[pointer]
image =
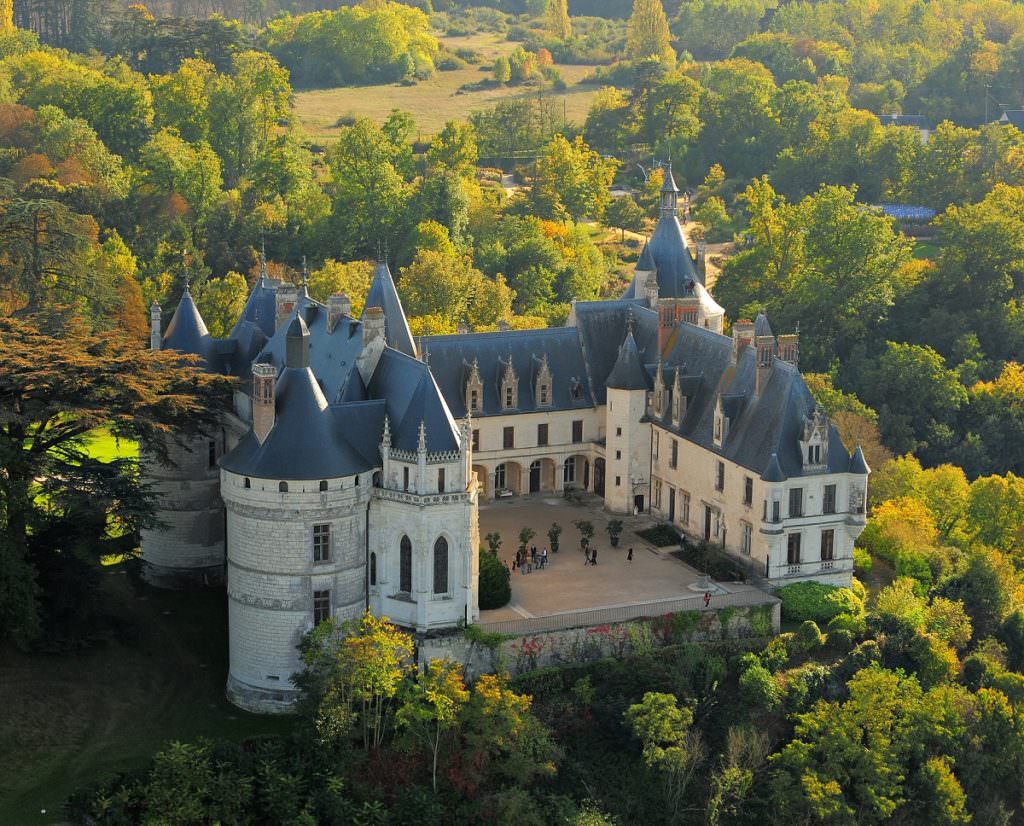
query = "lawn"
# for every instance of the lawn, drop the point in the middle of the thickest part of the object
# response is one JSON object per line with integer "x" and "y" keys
{"x": 435, "y": 101}
{"x": 74, "y": 718}
{"x": 926, "y": 249}
{"x": 102, "y": 445}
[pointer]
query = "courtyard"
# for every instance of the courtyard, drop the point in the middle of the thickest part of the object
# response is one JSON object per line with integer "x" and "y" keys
{"x": 566, "y": 584}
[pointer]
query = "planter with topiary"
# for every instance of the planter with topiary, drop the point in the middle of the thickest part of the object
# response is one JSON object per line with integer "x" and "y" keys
{"x": 614, "y": 531}
{"x": 554, "y": 532}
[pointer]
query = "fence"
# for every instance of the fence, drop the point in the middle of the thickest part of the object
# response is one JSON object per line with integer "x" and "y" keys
{"x": 625, "y": 613}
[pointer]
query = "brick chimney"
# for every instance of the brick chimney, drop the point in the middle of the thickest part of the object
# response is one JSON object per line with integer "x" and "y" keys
{"x": 337, "y": 306}
{"x": 155, "y": 339}
{"x": 264, "y": 378}
{"x": 742, "y": 337}
{"x": 287, "y": 295}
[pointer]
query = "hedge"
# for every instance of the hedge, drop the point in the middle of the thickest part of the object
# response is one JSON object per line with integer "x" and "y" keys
{"x": 817, "y": 601}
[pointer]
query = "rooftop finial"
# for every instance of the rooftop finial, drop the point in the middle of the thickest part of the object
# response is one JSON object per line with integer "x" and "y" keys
{"x": 263, "y": 260}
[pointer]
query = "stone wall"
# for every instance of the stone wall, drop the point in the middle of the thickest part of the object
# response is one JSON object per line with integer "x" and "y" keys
{"x": 576, "y": 645}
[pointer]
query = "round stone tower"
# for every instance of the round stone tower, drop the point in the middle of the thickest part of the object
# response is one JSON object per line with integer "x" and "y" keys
{"x": 296, "y": 494}
{"x": 187, "y": 548}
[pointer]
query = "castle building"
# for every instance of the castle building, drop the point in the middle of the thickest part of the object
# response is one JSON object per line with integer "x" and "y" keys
{"x": 347, "y": 474}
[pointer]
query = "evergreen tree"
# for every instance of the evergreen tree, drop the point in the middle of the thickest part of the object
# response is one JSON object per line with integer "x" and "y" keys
{"x": 648, "y": 36}
{"x": 558, "y": 21}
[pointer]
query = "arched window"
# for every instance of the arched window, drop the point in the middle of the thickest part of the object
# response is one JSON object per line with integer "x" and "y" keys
{"x": 282, "y": 487}
{"x": 248, "y": 484}
{"x": 376, "y": 479}
{"x": 373, "y": 568}
{"x": 569, "y": 470}
{"x": 323, "y": 485}
{"x": 441, "y": 566}
{"x": 405, "y": 566}
{"x": 499, "y": 476}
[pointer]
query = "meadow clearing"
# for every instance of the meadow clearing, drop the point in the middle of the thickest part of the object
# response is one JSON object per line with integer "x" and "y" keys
{"x": 435, "y": 101}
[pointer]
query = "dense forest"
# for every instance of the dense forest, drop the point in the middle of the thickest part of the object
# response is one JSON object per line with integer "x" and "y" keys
{"x": 145, "y": 148}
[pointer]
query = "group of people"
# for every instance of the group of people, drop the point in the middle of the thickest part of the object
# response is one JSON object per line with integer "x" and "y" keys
{"x": 527, "y": 560}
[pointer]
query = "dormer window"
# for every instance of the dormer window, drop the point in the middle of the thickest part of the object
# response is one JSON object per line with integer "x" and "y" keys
{"x": 474, "y": 388}
{"x": 542, "y": 388}
{"x": 721, "y": 425}
{"x": 577, "y": 390}
{"x": 814, "y": 440}
{"x": 509, "y": 386}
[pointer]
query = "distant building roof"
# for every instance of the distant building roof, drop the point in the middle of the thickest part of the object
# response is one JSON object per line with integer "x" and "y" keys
{"x": 908, "y": 212}
{"x": 917, "y": 121}
{"x": 1014, "y": 117}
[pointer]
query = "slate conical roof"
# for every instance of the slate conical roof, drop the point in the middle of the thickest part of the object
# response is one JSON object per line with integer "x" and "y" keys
{"x": 858, "y": 464}
{"x": 672, "y": 258}
{"x": 761, "y": 325}
{"x": 773, "y": 473}
{"x": 628, "y": 372}
{"x": 187, "y": 331}
{"x": 645, "y": 263}
{"x": 384, "y": 295}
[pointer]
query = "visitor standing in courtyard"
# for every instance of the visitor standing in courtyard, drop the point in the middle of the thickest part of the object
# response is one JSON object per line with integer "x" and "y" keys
{"x": 593, "y": 557}
{"x": 629, "y": 555}
{"x": 707, "y": 599}
{"x": 544, "y": 557}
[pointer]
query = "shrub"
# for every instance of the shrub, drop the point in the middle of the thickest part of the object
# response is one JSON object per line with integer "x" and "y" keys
{"x": 805, "y": 685}
{"x": 809, "y": 636}
{"x": 856, "y": 626}
{"x": 775, "y": 654}
{"x": 817, "y": 601}
{"x": 554, "y": 532}
{"x": 494, "y": 585}
{"x": 841, "y": 639}
{"x": 862, "y": 561}
{"x": 758, "y": 687}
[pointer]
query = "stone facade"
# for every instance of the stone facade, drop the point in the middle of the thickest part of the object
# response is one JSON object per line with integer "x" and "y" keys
{"x": 187, "y": 548}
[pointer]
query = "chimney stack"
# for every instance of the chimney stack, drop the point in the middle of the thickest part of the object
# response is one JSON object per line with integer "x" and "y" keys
{"x": 742, "y": 337}
{"x": 374, "y": 342}
{"x": 337, "y": 306}
{"x": 155, "y": 338}
{"x": 287, "y": 295}
{"x": 789, "y": 348}
{"x": 264, "y": 378}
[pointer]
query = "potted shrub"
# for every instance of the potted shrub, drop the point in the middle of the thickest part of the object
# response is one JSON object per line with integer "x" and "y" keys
{"x": 586, "y": 530}
{"x": 614, "y": 531}
{"x": 554, "y": 532}
{"x": 493, "y": 542}
{"x": 525, "y": 535}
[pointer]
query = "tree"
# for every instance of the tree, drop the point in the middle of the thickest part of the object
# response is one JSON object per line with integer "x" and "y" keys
{"x": 433, "y": 705}
{"x": 221, "y": 302}
{"x": 586, "y": 529}
{"x": 525, "y": 535}
{"x": 558, "y": 23}
{"x": 647, "y": 34}
{"x": 572, "y": 180}
{"x": 245, "y": 109}
{"x": 454, "y": 149}
{"x": 502, "y": 69}
{"x": 669, "y": 746}
{"x": 169, "y": 165}
{"x": 995, "y": 512}
{"x": 709, "y": 29}
{"x": 58, "y": 383}
{"x": 503, "y": 740}
{"x": 353, "y": 671}
{"x": 626, "y": 214}
{"x": 353, "y": 279}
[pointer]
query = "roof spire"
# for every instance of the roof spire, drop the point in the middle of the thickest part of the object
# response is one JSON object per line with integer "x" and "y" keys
{"x": 263, "y": 259}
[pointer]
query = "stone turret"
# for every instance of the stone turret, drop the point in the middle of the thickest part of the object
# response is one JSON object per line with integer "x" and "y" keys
{"x": 187, "y": 548}
{"x": 155, "y": 340}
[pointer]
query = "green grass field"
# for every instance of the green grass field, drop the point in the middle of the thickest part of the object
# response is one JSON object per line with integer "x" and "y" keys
{"x": 926, "y": 249}
{"x": 435, "y": 101}
{"x": 102, "y": 445}
{"x": 71, "y": 719}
